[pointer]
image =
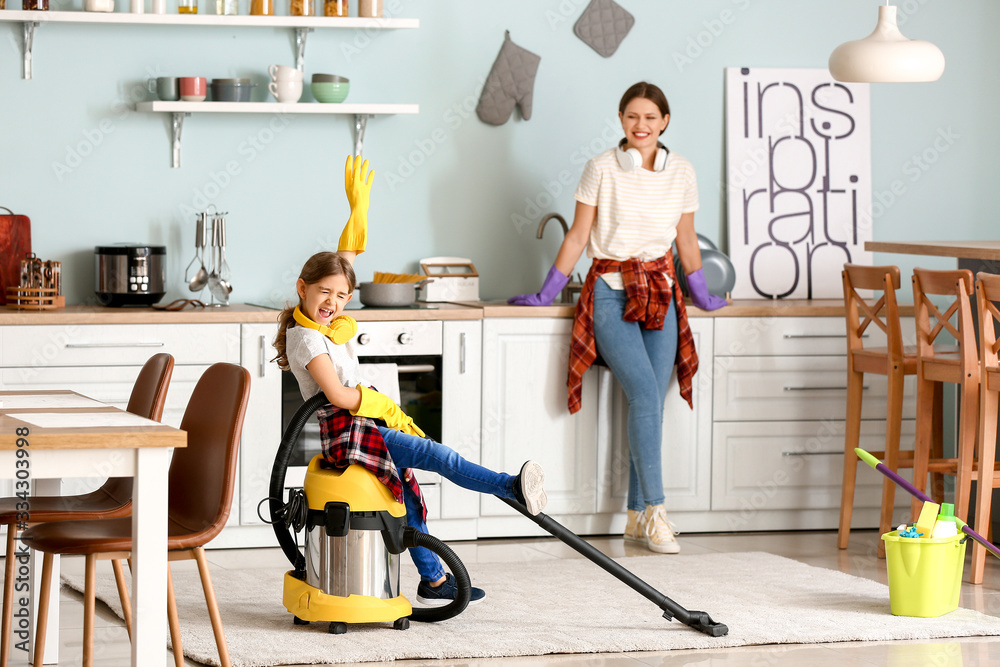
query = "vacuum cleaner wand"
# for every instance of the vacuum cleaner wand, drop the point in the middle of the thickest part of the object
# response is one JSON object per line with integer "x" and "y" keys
{"x": 699, "y": 620}
{"x": 920, "y": 495}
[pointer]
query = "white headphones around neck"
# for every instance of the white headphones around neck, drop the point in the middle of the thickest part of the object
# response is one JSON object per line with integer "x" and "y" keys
{"x": 631, "y": 159}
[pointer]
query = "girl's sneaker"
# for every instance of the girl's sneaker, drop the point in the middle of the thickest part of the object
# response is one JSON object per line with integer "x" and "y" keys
{"x": 528, "y": 487}
{"x": 659, "y": 532}
{"x": 439, "y": 596}
{"x": 634, "y": 525}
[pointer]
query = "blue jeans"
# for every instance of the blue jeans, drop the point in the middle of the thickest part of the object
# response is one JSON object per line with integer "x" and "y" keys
{"x": 410, "y": 451}
{"x": 642, "y": 360}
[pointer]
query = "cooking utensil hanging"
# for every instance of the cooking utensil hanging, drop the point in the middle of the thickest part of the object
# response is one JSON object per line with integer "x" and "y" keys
{"x": 197, "y": 282}
{"x": 219, "y": 288}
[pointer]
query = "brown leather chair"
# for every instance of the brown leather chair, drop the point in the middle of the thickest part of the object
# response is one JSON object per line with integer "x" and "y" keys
{"x": 200, "y": 494}
{"x": 936, "y": 365}
{"x": 894, "y": 360}
{"x": 113, "y": 499}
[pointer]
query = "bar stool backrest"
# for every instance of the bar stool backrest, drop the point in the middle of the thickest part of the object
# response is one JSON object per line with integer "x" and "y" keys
{"x": 880, "y": 309}
{"x": 931, "y": 322}
{"x": 987, "y": 294}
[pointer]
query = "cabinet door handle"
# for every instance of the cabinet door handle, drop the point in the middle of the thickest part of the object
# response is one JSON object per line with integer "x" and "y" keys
{"x": 95, "y": 345}
{"x": 263, "y": 356}
{"x": 864, "y": 387}
{"x": 820, "y": 335}
{"x": 811, "y": 453}
{"x": 461, "y": 353}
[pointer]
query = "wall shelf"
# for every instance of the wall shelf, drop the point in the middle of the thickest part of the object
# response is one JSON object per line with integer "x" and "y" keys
{"x": 301, "y": 24}
{"x": 361, "y": 113}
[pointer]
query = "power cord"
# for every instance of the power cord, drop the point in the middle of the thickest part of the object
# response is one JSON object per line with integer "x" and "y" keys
{"x": 293, "y": 513}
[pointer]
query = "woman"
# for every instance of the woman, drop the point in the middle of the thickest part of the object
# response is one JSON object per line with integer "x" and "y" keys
{"x": 633, "y": 201}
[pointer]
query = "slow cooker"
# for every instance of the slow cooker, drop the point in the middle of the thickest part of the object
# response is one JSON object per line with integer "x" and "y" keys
{"x": 129, "y": 274}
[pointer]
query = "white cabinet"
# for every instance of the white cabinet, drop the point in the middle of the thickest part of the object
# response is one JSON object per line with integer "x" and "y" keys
{"x": 262, "y": 424}
{"x": 524, "y": 416}
{"x": 780, "y": 399}
{"x": 687, "y": 437}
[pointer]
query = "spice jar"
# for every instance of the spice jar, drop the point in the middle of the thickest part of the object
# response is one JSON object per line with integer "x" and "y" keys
{"x": 335, "y": 8}
{"x": 262, "y": 7}
{"x": 370, "y": 9}
{"x": 187, "y": 6}
{"x": 38, "y": 5}
{"x": 227, "y": 7}
{"x": 302, "y": 8}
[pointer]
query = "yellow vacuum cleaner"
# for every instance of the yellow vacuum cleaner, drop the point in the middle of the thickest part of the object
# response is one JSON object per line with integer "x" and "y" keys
{"x": 354, "y": 532}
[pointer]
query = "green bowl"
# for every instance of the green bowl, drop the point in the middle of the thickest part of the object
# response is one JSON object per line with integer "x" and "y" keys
{"x": 330, "y": 91}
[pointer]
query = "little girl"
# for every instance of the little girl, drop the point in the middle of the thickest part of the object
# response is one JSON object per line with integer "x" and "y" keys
{"x": 361, "y": 425}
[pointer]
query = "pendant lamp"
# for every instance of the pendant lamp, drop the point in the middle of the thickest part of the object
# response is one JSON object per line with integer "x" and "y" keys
{"x": 886, "y": 56}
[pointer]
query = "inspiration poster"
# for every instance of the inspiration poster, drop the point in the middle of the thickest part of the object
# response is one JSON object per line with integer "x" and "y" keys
{"x": 798, "y": 179}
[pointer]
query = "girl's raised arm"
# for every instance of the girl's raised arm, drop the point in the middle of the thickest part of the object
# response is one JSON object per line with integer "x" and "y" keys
{"x": 358, "y": 181}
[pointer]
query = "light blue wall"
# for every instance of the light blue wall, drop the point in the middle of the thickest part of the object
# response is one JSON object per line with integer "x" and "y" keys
{"x": 460, "y": 183}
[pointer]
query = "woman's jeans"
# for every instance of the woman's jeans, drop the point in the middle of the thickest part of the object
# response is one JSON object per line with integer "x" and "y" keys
{"x": 642, "y": 360}
{"x": 410, "y": 451}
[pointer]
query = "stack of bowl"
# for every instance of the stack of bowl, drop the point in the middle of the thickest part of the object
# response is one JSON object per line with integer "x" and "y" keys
{"x": 330, "y": 88}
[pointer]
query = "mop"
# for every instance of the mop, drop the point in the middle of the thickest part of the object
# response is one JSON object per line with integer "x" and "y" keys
{"x": 921, "y": 496}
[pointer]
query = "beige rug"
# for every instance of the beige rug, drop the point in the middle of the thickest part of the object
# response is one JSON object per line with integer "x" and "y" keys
{"x": 565, "y": 606}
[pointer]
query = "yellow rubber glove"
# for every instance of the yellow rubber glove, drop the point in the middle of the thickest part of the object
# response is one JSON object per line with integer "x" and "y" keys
{"x": 380, "y": 406}
{"x": 358, "y": 184}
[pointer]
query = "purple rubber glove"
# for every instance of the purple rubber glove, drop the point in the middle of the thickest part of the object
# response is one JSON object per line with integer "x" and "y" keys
{"x": 698, "y": 289}
{"x": 554, "y": 283}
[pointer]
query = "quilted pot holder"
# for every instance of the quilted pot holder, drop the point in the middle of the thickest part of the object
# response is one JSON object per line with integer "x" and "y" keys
{"x": 511, "y": 82}
{"x": 603, "y": 25}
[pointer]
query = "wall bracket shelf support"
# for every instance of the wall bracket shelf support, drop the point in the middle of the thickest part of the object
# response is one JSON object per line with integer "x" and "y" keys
{"x": 175, "y": 142}
{"x": 360, "y": 124}
{"x": 300, "y": 47}
{"x": 29, "y": 41}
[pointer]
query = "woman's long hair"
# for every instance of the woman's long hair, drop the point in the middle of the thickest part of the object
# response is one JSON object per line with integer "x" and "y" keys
{"x": 316, "y": 268}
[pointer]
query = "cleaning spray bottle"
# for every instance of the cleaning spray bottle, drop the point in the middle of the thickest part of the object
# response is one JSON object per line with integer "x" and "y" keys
{"x": 945, "y": 525}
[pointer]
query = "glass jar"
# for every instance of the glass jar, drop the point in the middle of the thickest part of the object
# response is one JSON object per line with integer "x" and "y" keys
{"x": 187, "y": 6}
{"x": 37, "y": 5}
{"x": 370, "y": 9}
{"x": 302, "y": 8}
{"x": 227, "y": 7}
{"x": 262, "y": 7}
{"x": 335, "y": 8}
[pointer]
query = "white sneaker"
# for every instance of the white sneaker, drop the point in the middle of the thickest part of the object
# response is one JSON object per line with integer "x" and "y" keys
{"x": 634, "y": 525}
{"x": 659, "y": 531}
{"x": 531, "y": 480}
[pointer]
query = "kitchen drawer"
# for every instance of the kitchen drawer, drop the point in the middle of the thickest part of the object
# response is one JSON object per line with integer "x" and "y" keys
{"x": 792, "y": 336}
{"x": 795, "y": 389}
{"x": 36, "y": 347}
{"x": 794, "y": 465}
{"x": 419, "y": 337}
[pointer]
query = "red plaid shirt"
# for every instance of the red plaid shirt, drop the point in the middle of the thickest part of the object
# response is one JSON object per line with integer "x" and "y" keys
{"x": 649, "y": 297}
{"x": 347, "y": 439}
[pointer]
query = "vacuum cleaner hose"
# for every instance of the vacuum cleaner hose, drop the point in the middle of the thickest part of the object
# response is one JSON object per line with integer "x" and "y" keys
{"x": 415, "y": 538}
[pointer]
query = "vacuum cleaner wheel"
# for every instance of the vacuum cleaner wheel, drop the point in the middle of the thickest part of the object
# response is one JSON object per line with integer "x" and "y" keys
{"x": 298, "y": 621}
{"x": 337, "y": 628}
{"x": 401, "y": 624}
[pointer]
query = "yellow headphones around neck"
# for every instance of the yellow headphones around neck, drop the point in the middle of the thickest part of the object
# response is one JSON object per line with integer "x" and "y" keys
{"x": 341, "y": 329}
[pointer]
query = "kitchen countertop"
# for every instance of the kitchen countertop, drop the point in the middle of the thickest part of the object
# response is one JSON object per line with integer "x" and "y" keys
{"x": 235, "y": 313}
{"x": 989, "y": 250}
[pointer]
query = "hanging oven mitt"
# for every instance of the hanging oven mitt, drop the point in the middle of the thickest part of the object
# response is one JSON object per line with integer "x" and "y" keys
{"x": 341, "y": 329}
{"x": 358, "y": 184}
{"x": 380, "y": 406}
{"x": 603, "y": 25}
{"x": 511, "y": 82}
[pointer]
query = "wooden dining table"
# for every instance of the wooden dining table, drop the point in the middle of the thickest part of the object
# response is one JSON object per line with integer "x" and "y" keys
{"x": 47, "y": 436}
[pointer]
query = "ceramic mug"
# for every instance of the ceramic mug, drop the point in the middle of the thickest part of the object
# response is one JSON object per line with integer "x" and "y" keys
{"x": 193, "y": 88}
{"x": 165, "y": 88}
{"x": 286, "y": 90}
{"x": 284, "y": 73}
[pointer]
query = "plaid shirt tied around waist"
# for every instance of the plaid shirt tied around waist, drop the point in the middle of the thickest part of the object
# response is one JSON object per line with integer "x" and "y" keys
{"x": 347, "y": 440}
{"x": 649, "y": 294}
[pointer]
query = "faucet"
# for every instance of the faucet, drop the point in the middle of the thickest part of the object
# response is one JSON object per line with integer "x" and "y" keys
{"x": 572, "y": 287}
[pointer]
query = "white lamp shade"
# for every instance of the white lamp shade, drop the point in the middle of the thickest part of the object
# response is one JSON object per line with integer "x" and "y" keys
{"x": 886, "y": 56}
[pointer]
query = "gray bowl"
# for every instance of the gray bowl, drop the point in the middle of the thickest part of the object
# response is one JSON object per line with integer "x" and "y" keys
{"x": 330, "y": 77}
{"x": 231, "y": 90}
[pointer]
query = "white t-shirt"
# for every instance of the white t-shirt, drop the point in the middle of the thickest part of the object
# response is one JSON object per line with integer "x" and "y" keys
{"x": 637, "y": 211}
{"x": 302, "y": 345}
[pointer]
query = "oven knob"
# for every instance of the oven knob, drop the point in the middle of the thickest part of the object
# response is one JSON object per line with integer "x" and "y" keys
{"x": 364, "y": 339}
{"x": 405, "y": 338}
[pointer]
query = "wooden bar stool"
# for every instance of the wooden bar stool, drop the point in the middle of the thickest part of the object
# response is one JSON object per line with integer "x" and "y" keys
{"x": 987, "y": 292}
{"x": 938, "y": 364}
{"x": 894, "y": 361}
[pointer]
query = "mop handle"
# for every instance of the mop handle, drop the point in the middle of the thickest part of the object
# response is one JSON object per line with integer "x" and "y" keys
{"x": 920, "y": 495}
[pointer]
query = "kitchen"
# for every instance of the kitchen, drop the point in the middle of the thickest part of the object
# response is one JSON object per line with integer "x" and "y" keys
{"x": 445, "y": 182}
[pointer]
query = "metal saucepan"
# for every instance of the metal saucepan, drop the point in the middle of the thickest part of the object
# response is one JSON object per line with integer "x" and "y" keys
{"x": 389, "y": 295}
